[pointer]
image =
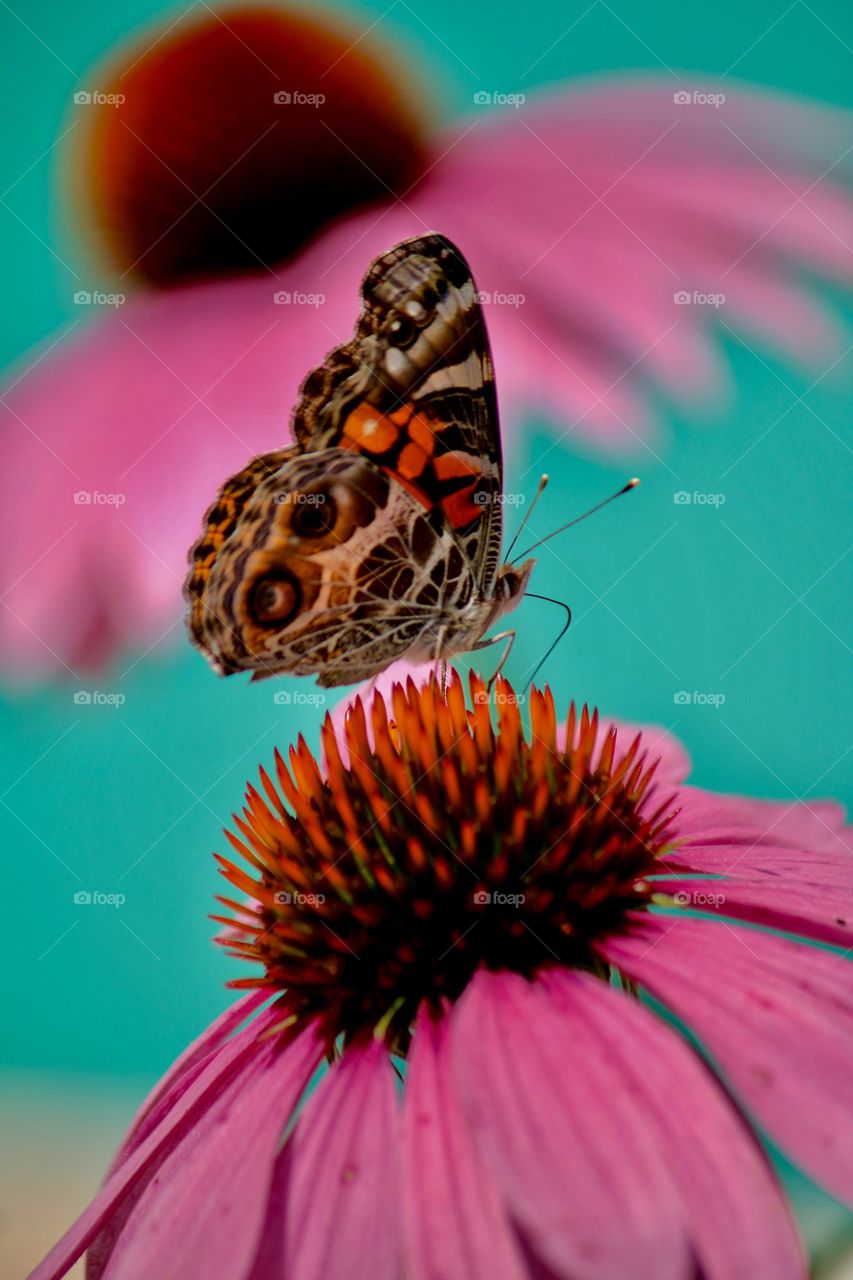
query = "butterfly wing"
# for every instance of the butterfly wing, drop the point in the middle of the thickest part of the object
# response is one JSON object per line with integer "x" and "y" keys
{"x": 221, "y": 521}
{"x": 333, "y": 569}
{"x": 414, "y": 391}
{"x": 354, "y": 546}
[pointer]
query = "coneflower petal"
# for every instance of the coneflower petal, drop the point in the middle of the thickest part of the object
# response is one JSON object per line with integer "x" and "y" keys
{"x": 231, "y": 1151}
{"x": 752, "y": 857}
{"x": 584, "y": 1213}
{"x": 776, "y": 1015}
{"x": 457, "y": 1226}
{"x": 821, "y": 912}
{"x": 222, "y": 1079}
{"x": 341, "y": 1215}
{"x": 183, "y": 1072}
{"x": 187, "y": 1068}
{"x": 736, "y": 1215}
{"x": 712, "y": 818}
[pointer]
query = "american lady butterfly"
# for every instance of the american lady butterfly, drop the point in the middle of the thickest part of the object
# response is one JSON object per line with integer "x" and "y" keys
{"x": 377, "y": 535}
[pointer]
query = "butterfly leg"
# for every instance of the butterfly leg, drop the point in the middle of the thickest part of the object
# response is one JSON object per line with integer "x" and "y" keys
{"x": 509, "y": 636}
{"x": 441, "y": 663}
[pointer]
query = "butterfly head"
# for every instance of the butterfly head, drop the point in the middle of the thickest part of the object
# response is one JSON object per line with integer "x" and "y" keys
{"x": 510, "y": 586}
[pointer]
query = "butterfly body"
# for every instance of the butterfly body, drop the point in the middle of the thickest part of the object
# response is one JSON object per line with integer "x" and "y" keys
{"x": 376, "y": 536}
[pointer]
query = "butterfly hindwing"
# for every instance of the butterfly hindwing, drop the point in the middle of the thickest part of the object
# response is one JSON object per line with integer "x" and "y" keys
{"x": 220, "y": 521}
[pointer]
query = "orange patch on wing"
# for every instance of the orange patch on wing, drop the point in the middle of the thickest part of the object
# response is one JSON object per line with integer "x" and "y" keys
{"x": 459, "y": 508}
{"x": 422, "y": 433}
{"x": 448, "y": 466}
{"x": 369, "y": 430}
{"x": 412, "y": 461}
{"x": 415, "y": 490}
{"x": 375, "y": 432}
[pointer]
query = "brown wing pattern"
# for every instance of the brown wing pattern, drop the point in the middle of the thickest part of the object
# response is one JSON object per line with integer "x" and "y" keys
{"x": 373, "y": 535}
{"x": 220, "y": 521}
{"x": 414, "y": 390}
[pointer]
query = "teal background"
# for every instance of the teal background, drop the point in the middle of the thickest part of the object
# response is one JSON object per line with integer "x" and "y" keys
{"x": 750, "y": 599}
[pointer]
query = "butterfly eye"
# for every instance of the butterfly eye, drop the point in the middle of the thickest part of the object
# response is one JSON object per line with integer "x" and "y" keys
{"x": 402, "y": 331}
{"x": 274, "y": 600}
{"x": 314, "y": 516}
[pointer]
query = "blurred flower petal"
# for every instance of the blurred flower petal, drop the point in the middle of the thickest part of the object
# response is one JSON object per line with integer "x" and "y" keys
{"x": 784, "y": 1042}
{"x": 233, "y": 1148}
{"x": 221, "y": 1080}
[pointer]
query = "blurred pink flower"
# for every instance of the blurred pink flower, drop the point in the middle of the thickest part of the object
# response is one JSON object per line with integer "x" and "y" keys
{"x": 466, "y": 934}
{"x": 586, "y": 214}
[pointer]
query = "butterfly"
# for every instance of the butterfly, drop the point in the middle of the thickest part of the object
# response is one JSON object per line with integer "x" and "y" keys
{"x": 377, "y": 534}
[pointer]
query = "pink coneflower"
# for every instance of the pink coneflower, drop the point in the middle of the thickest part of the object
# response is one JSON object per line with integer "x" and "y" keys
{"x": 474, "y": 911}
{"x": 586, "y": 214}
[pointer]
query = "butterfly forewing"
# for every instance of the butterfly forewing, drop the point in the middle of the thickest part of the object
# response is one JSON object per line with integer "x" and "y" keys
{"x": 415, "y": 391}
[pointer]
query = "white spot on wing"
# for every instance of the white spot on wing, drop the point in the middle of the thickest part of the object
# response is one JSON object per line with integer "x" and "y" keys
{"x": 397, "y": 363}
{"x": 467, "y": 374}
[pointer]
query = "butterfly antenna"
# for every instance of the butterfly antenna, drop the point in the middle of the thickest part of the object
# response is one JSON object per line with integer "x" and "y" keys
{"x": 543, "y": 483}
{"x": 632, "y": 484}
{"x": 540, "y": 664}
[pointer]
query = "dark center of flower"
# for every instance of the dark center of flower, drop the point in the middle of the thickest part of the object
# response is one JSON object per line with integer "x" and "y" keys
{"x": 236, "y": 135}
{"x": 448, "y": 844}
